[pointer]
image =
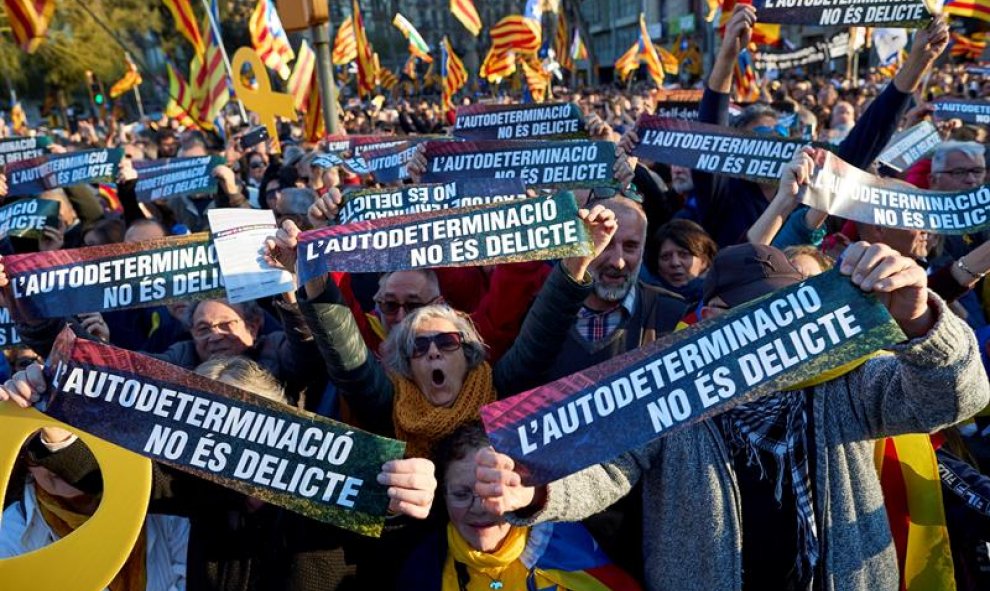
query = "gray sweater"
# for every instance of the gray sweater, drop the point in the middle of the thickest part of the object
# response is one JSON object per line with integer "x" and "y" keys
{"x": 691, "y": 508}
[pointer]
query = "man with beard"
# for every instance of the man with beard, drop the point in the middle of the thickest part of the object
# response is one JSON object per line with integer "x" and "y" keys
{"x": 621, "y": 314}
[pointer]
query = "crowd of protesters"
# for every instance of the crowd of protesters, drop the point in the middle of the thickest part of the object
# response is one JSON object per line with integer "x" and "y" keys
{"x": 779, "y": 493}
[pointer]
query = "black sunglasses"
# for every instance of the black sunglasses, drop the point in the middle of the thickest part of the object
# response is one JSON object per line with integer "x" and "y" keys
{"x": 445, "y": 341}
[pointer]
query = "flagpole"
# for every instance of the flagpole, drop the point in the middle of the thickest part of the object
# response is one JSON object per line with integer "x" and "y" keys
{"x": 140, "y": 105}
{"x": 223, "y": 52}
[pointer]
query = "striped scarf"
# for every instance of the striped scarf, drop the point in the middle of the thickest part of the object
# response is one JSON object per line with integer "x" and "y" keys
{"x": 776, "y": 425}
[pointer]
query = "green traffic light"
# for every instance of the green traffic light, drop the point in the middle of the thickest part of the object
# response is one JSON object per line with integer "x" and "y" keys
{"x": 98, "y": 99}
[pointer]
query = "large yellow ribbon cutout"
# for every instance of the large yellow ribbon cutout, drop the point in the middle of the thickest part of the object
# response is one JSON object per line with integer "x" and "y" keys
{"x": 74, "y": 562}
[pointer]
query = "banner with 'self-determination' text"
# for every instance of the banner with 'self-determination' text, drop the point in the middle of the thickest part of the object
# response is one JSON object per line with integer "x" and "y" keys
{"x": 844, "y": 13}
{"x": 715, "y": 149}
{"x": 8, "y": 330}
{"x": 842, "y": 190}
{"x": 26, "y": 218}
{"x": 679, "y": 104}
{"x": 976, "y": 111}
{"x": 162, "y": 179}
{"x": 373, "y": 204}
{"x": 389, "y": 164}
{"x": 306, "y": 463}
{"x": 821, "y": 52}
{"x": 538, "y": 163}
{"x": 16, "y": 149}
{"x": 34, "y": 175}
{"x": 526, "y": 230}
{"x": 514, "y": 122}
{"x": 909, "y": 146}
{"x": 595, "y": 415}
{"x": 112, "y": 277}
{"x": 360, "y": 144}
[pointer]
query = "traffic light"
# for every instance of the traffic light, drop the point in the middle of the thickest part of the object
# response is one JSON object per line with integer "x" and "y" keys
{"x": 96, "y": 90}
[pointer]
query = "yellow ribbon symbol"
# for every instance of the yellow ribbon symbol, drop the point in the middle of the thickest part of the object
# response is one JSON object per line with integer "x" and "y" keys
{"x": 72, "y": 563}
{"x": 262, "y": 100}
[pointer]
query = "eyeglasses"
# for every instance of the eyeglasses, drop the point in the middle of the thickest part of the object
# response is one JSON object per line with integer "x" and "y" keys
{"x": 445, "y": 341}
{"x": 201, "y": 331}
{"x": 461, "y": 498}
{"x": 391, "y": 307}
{"x": 961, "y": 173}
{"x": 778, "y": 130}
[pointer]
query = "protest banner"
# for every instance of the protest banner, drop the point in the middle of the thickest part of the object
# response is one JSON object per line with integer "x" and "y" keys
{"x": 372, "y": 204}
{"x": 842, "y": 190}
{"x": 8, "y": 330}
{"x": 820, "y": 52}
{"x": 968, "y": 111}
{"x": 978, "y": 70}
{"x": 273, "y": 452}
{"x": 678, "y": 104}
{"x": 34, "y": 175}
{"x": 526, "y": 230}
{"x": 26, "y": 218}
{"x": 15, "y": 149}
{"x": 909, "y": 146}
{"x": 846, "y": 13}
{"x": 171, "y": 177}
{"x": 337, "y": 143}
{"x": 538, "y": 163}
{"x": 710, "y": 148}
{"x": 389, "y": 164}
{"x": 361, "y": 144}
{"x": 513, "y": 122}
{"x": 595, "y": 415}
{"x": 112, "y": 277}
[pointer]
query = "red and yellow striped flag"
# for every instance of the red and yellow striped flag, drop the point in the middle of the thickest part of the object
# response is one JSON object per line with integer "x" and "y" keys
{"x": 497, "y": 66}
{"x": 130, "y": 79}
{"x": 979, "y": 9}
{"x": 671, "y": 65}
{"x": 453, "y": 75}
{"x": 344, "y": 44}
{"x": 763, "y": 34}
{"x": 313, "y": 127}
{"x": 562, "y": 42}
{"x": 537, "y": 80}
{"x": 467, "y": 14}
{"x": 410, "y": 68}
{"x": 365, "y": 55}
{"x": 648, "y": 53}
{"x": 269, "y": 39}
{"x": 108, "y": 196}
{"x": 628, "y": 62}
{"x": 29, "y": 21}
{"x": 516, "y": 33}
{"x": 180, "y": 103}
{"x": 387, "y": 79}
{"x": 210, "y": 76}
{"x": 302, "y": 74}
{"x": 185, "y": 21}
{"x": 966, "y": 47}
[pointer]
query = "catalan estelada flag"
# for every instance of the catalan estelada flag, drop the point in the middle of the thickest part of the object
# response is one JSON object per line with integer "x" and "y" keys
{"x": 313, "y": 126}
{"x": 964, "y": 47}
{"x": 29, "y": 21}
{"x": 537, "y": 80}
{"x": 185, "y": 22}
{"x": 108, "y": 198}
{"x": 269, "y": 39}
{"x": 516, "y": 33}
{"x": 210, "y": 86}
{"x": 648, "y": 53}
{"x": 465, "y": 12}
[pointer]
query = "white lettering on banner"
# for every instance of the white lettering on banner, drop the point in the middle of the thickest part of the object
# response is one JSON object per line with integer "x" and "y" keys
{"x": 796, "y": 320}
{"x": 725, "y": 144}
{"x": 513, "y": 116}
{"x": 515, "y": 158}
